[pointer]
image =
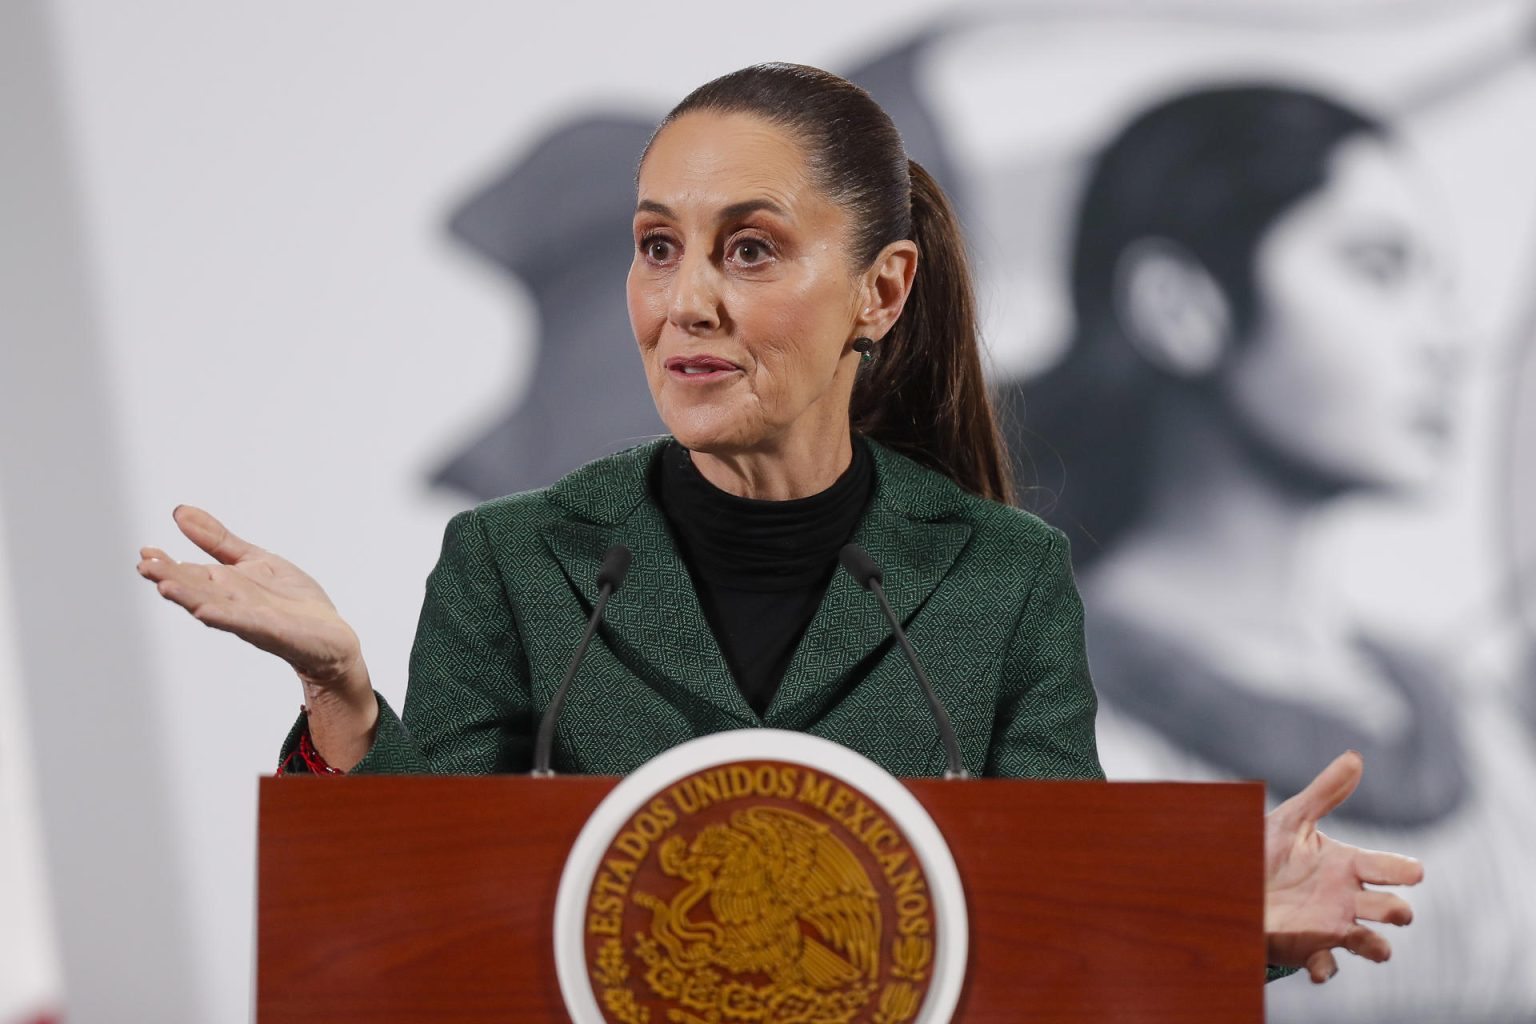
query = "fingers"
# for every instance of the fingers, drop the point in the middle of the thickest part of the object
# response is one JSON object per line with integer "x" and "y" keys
{"x": 1360, "y": 941}
{"x": 1386, "y": 907}
{"x": 1380, "y": 868}
{"x": 211, "y": 535}
{"x": 1364, "y": 942}
{"x": 155, "y": 564}
{"x": 1329, "y": 789}
{"x": 209, "y": 592}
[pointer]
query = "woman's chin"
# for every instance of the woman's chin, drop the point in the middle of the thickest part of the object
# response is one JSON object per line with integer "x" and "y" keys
{"x": 1405, "y": 474}
{"x": 707, "y": 430}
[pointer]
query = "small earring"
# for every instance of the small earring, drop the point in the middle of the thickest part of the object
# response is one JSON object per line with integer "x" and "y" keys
{"x": 865, "y": 348}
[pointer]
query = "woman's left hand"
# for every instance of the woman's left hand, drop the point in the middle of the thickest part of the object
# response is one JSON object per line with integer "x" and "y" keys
{"x": 1314, "y": 887}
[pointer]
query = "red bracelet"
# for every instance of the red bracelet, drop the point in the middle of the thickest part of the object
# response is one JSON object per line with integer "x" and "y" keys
{"x": 307, "y": 753}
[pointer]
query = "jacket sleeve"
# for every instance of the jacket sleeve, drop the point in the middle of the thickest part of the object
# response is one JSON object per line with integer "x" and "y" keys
{"x": 1046, "y": 703}
{"x": 467, "y": 701}
{"x": 1046, "y": 720}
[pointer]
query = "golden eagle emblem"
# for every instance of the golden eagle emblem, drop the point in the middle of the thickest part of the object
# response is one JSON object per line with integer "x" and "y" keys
{"x": 764, "y": 875}
{"x": 758, "y": 892}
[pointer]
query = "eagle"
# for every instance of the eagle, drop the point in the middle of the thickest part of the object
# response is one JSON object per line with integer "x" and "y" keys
{"x": 765, "y": 874}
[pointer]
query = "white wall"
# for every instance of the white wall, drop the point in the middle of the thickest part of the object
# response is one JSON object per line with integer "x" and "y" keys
{"x": 30, "y": 980}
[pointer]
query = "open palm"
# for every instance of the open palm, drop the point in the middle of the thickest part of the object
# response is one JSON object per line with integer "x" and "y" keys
{"x": 1315, "y": 893}
{"x": 260, "y": 597}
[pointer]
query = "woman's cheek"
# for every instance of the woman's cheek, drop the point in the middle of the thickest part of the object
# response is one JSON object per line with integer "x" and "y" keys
{"x": 646, "y": 301}
{"x": 1382, "y": 377}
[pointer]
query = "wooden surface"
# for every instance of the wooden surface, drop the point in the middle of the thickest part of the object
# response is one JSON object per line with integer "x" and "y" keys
{"x": 431, "y": 899}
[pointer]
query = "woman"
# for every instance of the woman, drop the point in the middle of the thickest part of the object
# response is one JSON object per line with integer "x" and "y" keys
{"x": 818, "y": 387}
{"x": 1263, "y": 328}
{"x": 1264, "y": 331}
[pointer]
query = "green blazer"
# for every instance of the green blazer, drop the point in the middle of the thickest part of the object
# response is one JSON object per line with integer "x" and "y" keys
{"x": 985, "y": 592}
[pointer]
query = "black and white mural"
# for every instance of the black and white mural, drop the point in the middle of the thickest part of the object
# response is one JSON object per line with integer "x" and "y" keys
{"x": 1250, "y": 349}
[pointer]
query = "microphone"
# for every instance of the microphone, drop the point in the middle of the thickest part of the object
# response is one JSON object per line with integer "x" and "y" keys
{"x": 615, "y": 565}
{"x": 866, "y": 572}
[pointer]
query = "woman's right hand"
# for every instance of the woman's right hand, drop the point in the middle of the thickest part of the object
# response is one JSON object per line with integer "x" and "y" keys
{"x": 271, "y": 603}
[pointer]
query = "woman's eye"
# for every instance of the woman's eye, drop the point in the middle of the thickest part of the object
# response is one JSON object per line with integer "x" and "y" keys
{"x": 656, "y": 248}
{"x": 751, "y": 251}
{"x": 1383, "y": 264}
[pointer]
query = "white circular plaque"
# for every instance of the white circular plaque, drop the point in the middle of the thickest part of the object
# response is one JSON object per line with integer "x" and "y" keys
{"x": 817, "y": 760}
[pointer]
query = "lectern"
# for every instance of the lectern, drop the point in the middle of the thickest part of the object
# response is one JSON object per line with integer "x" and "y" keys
{"x": 431, "y": 900}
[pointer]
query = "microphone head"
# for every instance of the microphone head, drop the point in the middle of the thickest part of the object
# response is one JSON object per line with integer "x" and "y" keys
{"x": 615, "y": 565}
{"x": 861, "y": 565}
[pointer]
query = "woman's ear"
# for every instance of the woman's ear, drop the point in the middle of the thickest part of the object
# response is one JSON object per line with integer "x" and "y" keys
{"x": 884, "y": 287}
{"x": 1170, "y": 308}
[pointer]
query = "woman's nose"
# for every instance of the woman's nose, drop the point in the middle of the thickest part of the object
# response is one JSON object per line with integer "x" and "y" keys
{"x": 1441, "y": 342}
{"x": 695, "y": 305}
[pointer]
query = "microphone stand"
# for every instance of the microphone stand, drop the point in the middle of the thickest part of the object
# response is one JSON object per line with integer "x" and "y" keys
{"x": 615, "y": 565}
{"x": 864, "y": 569}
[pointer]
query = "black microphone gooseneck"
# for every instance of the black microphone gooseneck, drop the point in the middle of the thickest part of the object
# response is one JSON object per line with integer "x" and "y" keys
{"x": 866, "y": 571}
{"x": 615, "y": 565}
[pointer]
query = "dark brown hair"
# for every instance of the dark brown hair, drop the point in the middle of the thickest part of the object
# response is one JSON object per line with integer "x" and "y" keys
{"x": 925, "y": 394}
{"x": 1212, "y": 171}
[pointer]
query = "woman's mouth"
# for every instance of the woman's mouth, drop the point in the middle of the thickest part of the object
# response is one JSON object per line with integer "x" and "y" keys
{"x": 1433, "y": 425}
{"x": 700, "y": 369}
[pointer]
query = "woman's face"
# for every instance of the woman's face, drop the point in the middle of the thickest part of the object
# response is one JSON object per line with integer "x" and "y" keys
{"x": 741, "y": 294}
{"x": 1349, "y": 372}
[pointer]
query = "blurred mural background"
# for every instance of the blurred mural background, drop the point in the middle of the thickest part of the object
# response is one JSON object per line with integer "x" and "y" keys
{"x": 1257, "y": 278}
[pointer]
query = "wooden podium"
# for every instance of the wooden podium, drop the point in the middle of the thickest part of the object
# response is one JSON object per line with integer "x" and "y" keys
{"x": 430, "y": 900}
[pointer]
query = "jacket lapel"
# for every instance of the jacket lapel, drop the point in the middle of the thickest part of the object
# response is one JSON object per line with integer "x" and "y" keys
{"x": 848, "y": 627}
{"x": 654, "y": 622}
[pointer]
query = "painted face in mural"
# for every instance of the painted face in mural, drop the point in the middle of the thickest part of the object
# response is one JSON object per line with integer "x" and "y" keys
{"x": 1350, "y": 369}
{"x": 741, "y": 295}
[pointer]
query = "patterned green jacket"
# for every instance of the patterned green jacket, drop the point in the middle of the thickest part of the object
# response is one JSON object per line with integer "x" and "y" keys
{"x": 984, "y": 590}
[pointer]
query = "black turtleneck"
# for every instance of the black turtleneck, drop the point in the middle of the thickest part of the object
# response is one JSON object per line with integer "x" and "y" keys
{"x": 760, "y": 567}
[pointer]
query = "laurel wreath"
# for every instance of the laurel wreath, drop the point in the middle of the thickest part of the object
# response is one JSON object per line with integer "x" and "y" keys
{"x": 706, "y": 997}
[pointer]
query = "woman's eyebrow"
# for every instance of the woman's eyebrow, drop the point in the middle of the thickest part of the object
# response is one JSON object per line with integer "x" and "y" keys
{"x": 732, "y": 212}
{"x": 738, "y": 210}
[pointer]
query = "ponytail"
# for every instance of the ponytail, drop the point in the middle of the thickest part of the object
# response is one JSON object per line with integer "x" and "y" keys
{"x": 926, "y": 395}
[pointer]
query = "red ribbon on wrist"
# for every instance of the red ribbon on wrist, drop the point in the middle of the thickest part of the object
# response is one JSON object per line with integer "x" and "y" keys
{"x": 306, "y": 752}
